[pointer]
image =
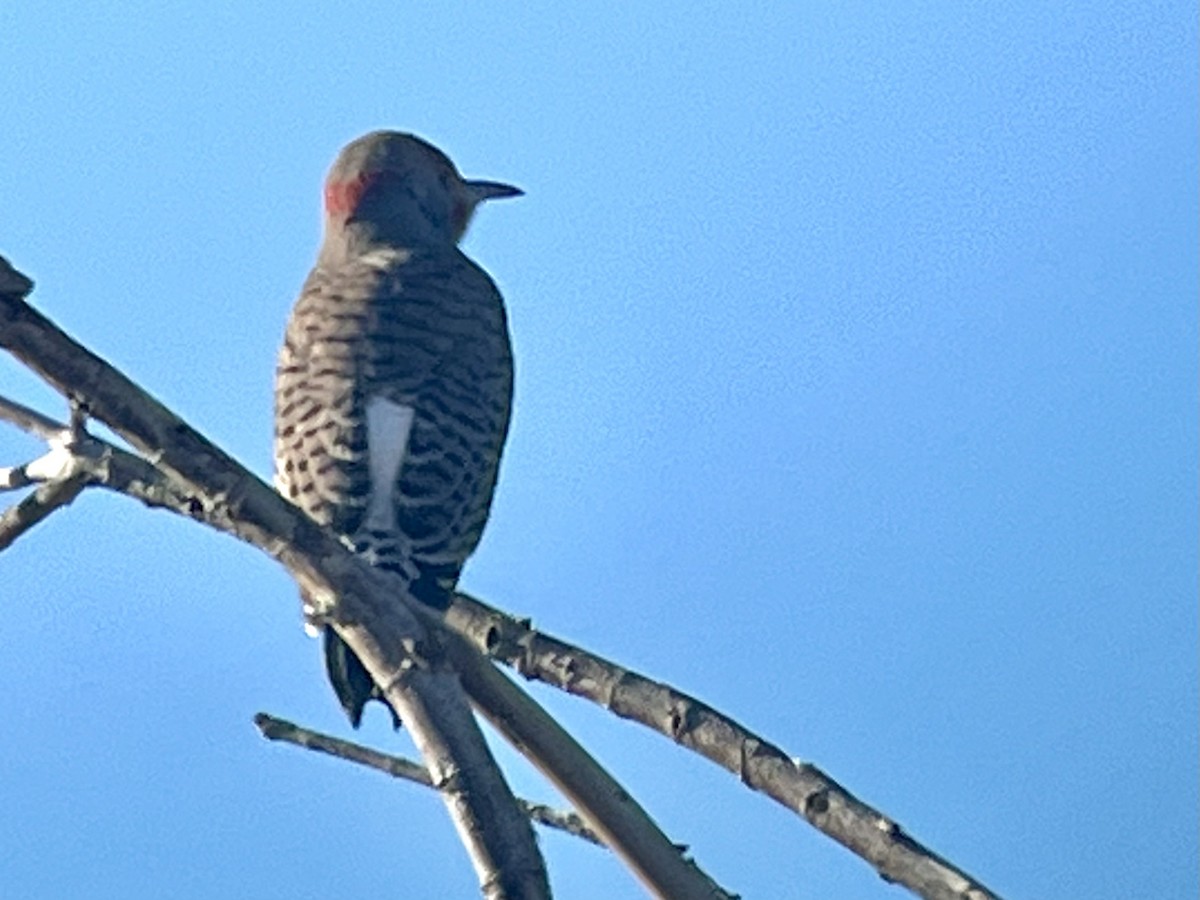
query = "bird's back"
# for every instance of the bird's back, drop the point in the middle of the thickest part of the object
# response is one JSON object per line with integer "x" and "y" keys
{"x": 396, "y": 346}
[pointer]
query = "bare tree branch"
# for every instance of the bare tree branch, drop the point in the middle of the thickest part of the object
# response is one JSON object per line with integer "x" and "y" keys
{"x": 12, "y": 282}
{"x": 207, "y": 484}
{"x": 393, "y": 646}
{"x": 108, "y": 467}
{"x": 276, "y": 729}
{"x": 20, "y": 517}
{"x": 799, "y": 786}
{"x": 583, "y": 781}
{"x": 617, "y": 816}
{"x": 759, "y": 764}
{"x": 31, "y": 420}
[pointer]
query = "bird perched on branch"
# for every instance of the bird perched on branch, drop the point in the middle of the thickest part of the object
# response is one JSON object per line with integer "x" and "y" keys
{"x": 394, "y": 384}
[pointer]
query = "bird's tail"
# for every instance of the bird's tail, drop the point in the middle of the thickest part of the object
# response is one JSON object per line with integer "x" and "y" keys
{"x": 350, "y": 679}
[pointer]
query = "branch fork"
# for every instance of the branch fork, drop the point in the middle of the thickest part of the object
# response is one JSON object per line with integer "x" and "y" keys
{"x": 424, "y": 660}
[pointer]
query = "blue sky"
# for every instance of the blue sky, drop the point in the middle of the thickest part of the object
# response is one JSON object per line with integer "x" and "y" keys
{"x": 856, "y": 395}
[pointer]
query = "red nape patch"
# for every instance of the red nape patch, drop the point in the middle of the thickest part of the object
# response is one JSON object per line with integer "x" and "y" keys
{"x": 341, "y": 197}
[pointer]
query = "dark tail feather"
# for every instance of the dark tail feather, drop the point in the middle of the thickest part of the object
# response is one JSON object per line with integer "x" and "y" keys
{"x": 350, "y": 680}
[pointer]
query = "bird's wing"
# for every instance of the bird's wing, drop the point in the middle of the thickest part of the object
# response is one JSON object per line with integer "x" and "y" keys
{"x": 392, "y": 400}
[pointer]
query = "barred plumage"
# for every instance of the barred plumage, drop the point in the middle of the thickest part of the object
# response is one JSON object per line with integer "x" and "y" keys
{"x": 394, "y": 384}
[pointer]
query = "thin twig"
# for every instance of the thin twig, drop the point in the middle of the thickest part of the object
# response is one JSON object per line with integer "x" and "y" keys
{"x": 30, "y": 420}
{"x": 112, "y": 468}
{"x": 22, "y": 516}
{"x": 276, "y": 729}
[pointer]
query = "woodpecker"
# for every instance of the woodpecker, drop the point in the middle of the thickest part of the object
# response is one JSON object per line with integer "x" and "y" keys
{"x": 393, "y": 390}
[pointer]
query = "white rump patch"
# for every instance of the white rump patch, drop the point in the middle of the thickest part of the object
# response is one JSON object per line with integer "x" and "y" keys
{"x": 388, "y": 427}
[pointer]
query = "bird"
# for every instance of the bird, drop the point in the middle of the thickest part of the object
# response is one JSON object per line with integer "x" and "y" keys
{"x": 394, "y": 382}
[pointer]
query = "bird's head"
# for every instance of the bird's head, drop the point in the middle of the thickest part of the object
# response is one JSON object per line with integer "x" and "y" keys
{"x": 394, "y": 188}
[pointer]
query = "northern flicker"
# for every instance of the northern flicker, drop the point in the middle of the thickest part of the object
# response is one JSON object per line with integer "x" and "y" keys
{"x": 394, "y": 384}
